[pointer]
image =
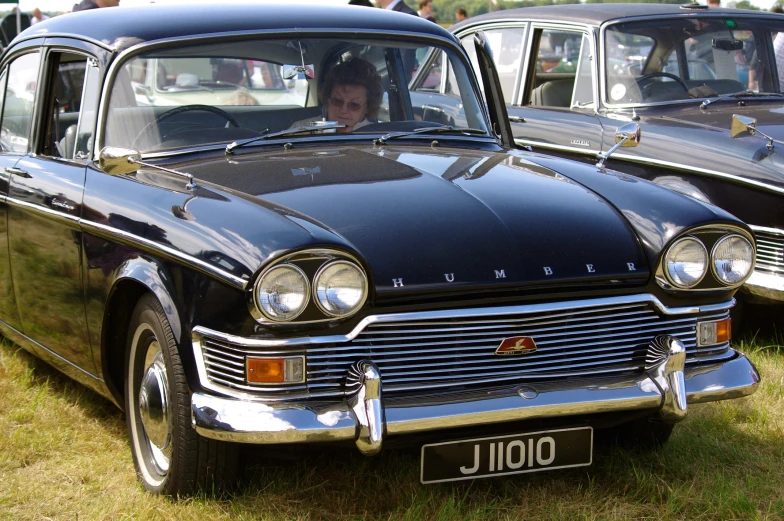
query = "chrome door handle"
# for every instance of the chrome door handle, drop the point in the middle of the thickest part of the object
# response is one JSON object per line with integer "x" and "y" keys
{"x": 516, "y": 119}
{"x": 17, "y": 171}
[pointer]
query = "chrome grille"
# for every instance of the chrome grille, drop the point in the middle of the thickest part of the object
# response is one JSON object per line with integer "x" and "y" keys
{"x": 770, "y": 251}
{"x": 441, "y": 353}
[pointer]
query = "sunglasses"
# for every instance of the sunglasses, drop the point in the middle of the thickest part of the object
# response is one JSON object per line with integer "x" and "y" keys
{"x": 353, "y": 106}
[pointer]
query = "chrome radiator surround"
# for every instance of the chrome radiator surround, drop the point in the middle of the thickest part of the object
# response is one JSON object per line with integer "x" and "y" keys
{"x": 443, "y": 350}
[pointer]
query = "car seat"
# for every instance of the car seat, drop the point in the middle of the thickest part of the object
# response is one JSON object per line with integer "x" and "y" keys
{"x": 553, "y": 93}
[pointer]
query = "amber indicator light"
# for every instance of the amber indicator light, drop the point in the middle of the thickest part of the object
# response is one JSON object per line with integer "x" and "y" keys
{"x": 723, "y": 330}
{"x": 265, "y": 370}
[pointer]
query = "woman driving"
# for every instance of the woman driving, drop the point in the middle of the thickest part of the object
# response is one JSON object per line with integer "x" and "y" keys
{"x": 352, "y": 93}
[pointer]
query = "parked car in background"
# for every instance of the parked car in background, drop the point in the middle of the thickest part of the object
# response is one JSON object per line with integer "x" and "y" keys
{"x": 252, "y": 273}
{"x": 682, "y": 73}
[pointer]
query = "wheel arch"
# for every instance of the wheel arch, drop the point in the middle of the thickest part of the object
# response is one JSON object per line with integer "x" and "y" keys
{"x": 134, "y": 279}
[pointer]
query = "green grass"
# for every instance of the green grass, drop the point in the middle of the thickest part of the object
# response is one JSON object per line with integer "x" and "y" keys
{"x": 64, "y": 456}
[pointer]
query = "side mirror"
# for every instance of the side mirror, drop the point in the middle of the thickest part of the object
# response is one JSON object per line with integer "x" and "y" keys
{"x": 743, "y": 126}
{"x": 627, "y": 136}
{"x": 118, "y": 161}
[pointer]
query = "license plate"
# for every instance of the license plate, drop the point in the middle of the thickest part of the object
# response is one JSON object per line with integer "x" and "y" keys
{"x": 504, "y": 455}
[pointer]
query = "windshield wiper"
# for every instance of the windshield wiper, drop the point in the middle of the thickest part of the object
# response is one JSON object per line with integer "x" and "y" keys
{"x": 740, "y": 94}
{"x": 446, "y": 129}
{"x": 289, "y": 131}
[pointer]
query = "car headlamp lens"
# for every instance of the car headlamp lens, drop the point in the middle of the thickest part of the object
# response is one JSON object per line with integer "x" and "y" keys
{"x": 341, "y": 288}
{"x": 686, "y": 261}
{"x": 733, "y": 259}
{"x": 283, "y": 292}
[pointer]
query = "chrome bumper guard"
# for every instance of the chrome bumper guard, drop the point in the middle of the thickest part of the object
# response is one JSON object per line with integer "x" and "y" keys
{"x": 765, "y": 285}
{"x": 366, "y": 418}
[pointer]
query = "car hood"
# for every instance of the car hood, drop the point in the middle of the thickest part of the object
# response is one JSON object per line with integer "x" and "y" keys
{"x": 692, "y": 136}
{"x": 442, "y": 218}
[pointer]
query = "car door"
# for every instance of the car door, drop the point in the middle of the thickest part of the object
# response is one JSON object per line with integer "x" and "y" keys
{"x": 18, "y": 84}
{"x": 45, "y": 239}
{"x": 549, "y": 83}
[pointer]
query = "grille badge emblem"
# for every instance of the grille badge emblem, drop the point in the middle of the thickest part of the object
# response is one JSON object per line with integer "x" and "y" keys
{"x": 516, "y": 345}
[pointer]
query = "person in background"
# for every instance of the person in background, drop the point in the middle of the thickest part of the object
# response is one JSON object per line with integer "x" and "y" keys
{"x": 714, "y": 3}
{"x": 460, "y": 14}
{"x": 426, "y": 10}
{"x": 408, "y": 55}
{"x": 84, "y": 5}
{"x": 396, "y": 5}
{"x": 778, "y": 50}
{"x": 38, "y": 16}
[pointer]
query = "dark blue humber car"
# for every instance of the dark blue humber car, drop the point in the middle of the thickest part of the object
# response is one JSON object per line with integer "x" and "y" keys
{"x": 188, "y": 228}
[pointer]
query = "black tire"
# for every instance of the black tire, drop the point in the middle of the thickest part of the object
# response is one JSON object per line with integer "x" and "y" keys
{"x": 643, "y": 433}
{"x": 169, "y": 455}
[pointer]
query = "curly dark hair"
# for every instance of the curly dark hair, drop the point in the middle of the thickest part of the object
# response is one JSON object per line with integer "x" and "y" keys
{"x": 356, "y": 71}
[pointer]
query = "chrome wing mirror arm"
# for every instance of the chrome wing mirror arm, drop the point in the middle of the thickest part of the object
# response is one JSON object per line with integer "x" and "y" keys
{"x": 627, "y": 135}
{"x": 746, "y": 126}
{"x": 121, "y": 161}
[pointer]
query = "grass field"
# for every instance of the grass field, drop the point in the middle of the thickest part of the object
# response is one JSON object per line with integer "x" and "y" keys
{"x": 64, "y": 456}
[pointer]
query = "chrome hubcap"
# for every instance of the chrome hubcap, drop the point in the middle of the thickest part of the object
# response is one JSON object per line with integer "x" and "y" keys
{"x": 154, "y": 407}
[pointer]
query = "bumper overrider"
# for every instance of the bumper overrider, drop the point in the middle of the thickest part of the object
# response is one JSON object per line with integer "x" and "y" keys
{"x": 667, "y": 387}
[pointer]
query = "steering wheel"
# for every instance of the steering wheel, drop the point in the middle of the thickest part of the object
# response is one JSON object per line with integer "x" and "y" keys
{"x": 179, "y": 110}
{"x": 644, "y": 82}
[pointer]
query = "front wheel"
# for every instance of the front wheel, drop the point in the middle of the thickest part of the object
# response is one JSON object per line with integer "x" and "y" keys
{"x": 169, "y": 455}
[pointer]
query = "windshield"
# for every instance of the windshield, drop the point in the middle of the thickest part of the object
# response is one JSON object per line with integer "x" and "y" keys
{"x": 691, "y": 58}
{"x": 220, "y": 93}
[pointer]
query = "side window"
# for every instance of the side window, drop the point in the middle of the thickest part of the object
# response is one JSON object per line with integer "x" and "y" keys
{"x": 19, "y": 102}
{"x": 562, "y": 75}
{"x": 71, "y": 106}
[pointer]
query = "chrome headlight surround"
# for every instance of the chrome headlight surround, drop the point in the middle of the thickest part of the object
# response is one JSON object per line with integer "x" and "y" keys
{"x": 715, "y": 261}
{"x": 310, "y": 264}
{"x": 263, "y": 297}
{"x": 321, "y": 293}
{"x": 671, "y": 274}
{"x": 710, "y": 236}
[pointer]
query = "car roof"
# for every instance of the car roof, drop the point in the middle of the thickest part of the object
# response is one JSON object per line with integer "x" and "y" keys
{"x": 110, "y": 26}
{"x": 598, "y": 14}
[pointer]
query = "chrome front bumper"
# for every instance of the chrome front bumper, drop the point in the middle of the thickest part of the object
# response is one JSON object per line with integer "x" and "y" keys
{"x": 766, "y": 286}
{"x": 366, "y": 417}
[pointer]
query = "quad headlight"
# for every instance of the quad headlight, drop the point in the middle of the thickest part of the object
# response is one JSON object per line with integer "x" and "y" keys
{"x": 688, "y": 265}
{"x": 282, "y": 293}
{"x": 309, "y": 286}
{"x": 733, "y": 259}
{"x": 340, "y": 288}
{"x": 686, "y": 262}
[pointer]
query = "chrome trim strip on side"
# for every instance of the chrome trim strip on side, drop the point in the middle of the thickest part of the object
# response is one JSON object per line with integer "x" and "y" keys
{"x": 110, "y": 232}
{"x": 258, "y": 422}
{"x": 61, "y": 217}
{"x": 200, "y": 331}
{"x": 552, "y": 146}
{"x": 658, "y": 162}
